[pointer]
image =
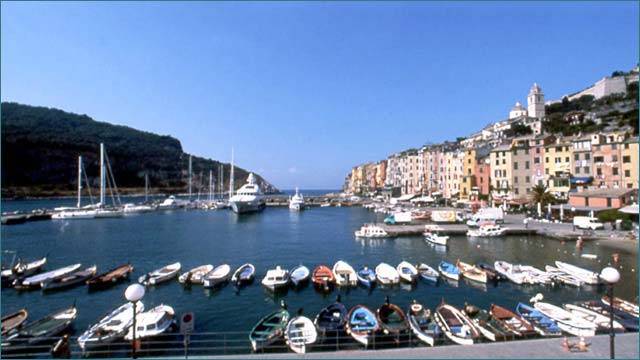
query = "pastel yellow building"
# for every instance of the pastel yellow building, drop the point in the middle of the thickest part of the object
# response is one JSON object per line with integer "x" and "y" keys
{"x": 468, "y": 173}
{"x": 501, "y": 172}
{"x": 557, "y": 166}
{"x": 630, "y": 163}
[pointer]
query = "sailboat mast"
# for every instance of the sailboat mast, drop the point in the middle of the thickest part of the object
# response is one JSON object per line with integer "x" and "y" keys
{"x": 102, "y": 174}
{"x": 231, "y": 176}
{"x": 79, "y": 180}
{"x": 189, "y": 177}
{"x": 210, "y": 184}
{"x": 221, "y": 186}
{"x": 146, "y": 187}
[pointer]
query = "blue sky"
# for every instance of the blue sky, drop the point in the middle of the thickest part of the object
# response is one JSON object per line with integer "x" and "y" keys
{"x": 304, "y": 91}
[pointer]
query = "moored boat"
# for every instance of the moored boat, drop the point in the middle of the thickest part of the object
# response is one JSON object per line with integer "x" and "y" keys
{"x": 296, "y": 202}
{"x": 455, "y": 325}
{"x": 487, "y": 231}
{"x": 622, "y": 305}
{"x": 218, "y": 276}
{"x": 110, "y": 327}
{"x": 421, "y": 324}
{"x": 110, "y": 277}
{"x": 391, "y": 318}
{"x": 73, "y": 279}
{"x": 562, "y": 277}
{"x": 515, "y": 323}
{"x": 153, "y": 322}
{"x": 299, "y": 275}
{"x": 344, "y": 274}
{"x": 436, "y": 239}
{"x": 489, "y": 327}
{"x": 195, "y": 275}
{"x": 22, "y": 269}
{"x": 407, "y": 272}
{"x": 44, "y": 328}
{"x": 269, "y": 329}
{"x": 160, "y": 275}
{"x": 36, "y": 281}
{"x": 472, "y": 272}
{"x": 427, "y": 273}
{"x": 371, "y": 231}
{"x": 244, "y": 274}
{"x": 492, "y": 274}
{"x": 249, "y": 198}
{"x": 13, "y": 321}
{"x": 300, "y": 333}
{"x": 362, "y": 324}
{"x": 366, "y": 276}
{"x": 448, "y": 270}
{"x": 510, "y": 272}
{"x": 323, "y": 278}
{"x": 544, "y": 325}
{"x": 387, "y": 274}
{"x": 332, "y": 319}
{"x": 588, "y": 276}
{"x": 603, "y": 323}
{"x": 628, "y": 321}
{"x": 567, "y": 321}
{"x": 276, "y": 279}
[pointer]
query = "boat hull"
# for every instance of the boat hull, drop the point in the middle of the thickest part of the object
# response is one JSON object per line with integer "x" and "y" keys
{"x": 245, "y": 207}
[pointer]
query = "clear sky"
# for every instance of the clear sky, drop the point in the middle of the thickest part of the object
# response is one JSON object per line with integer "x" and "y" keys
{"x": 304, "y": 91}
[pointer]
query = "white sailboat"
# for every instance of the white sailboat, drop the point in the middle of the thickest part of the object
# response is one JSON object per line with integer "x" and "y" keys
{"x": 78, "y": 212}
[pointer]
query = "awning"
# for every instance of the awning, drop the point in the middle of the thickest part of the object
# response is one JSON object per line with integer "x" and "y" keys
{"x": 630, "y": 209}
{"x": 426, "y": 199}
{"x": 406, "y": 197}
{"x": 582, "y": 180}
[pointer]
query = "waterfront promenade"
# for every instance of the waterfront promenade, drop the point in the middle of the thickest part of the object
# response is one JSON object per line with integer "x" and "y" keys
{"x": 626, "y": 348}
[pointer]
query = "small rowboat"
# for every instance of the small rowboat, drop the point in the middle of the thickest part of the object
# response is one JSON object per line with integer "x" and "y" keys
{"x": 455, "y": 325}
{"x": 588, "y": 276}
{"x": 71, "y": 280}
{"x": 269, "y": 329}
{"x": 36, "y": 281}
{"x": 22, "y": 269}
{"x": 49, "y": 326}
{"x": 110, "y": 277}
{"x": 111, "y": 327}
{"x": 428, "y": 273}
{"x": 544, "y": 325}
{"x": 345, "y": 274}
{"x": 153, "y": 322}
{"x": 332, "y": 319}
{"x": 489, "y": 327}
{"x": 195, "y": 275}
{"x": 471, "y": 272}
{"x": 562, "y": 277}
{"x": 491, "y": 272}
{"x": 323, "y": 278}
{"x": 622, "y": 305}
{"x": 160, "y": 275}
{"x": 510, "y": 272}
{"x": 362, "y": 324}
{"x": 244, "y": 274}
{"x": 407, "y": 272}
{"x": 567, "y": 321}
{"x": 516, "y": 324}
{"x": 421, "y": 324}
{"x": 13, "y": 321}
{"x": 300, "y": 333}
{"x": 218, "y": 276}
{"x": 448, "y": 270}
{"x": 602, "y": 322}
{"x": 627, "y": 320}
{"x": 387, "y": 274}
{"x": 392, "y": 319}
{"x": 299, "y": 275}
{"x": 366, "y": 276}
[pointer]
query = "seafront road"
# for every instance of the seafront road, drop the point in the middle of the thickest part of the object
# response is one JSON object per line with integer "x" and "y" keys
{"x": 626, "y": 348}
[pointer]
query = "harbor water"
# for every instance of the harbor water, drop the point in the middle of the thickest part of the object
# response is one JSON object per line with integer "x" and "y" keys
{"x": 276, "y": 236}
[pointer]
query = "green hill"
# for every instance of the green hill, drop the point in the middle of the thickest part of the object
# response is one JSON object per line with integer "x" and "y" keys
{"x": 40, "y": 148}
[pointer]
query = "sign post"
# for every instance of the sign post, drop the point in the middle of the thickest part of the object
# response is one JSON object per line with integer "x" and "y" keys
{"x": 186, "y": 328}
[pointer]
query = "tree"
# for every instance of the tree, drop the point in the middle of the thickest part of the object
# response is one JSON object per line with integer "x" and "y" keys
{"x": 540, "y": 194}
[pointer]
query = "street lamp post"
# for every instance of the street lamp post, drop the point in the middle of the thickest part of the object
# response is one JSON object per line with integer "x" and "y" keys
{"x": 611, "y": 276}
{"x": 134, "y": 293}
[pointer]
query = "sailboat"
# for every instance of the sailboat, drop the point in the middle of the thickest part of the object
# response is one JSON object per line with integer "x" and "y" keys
{"x": 88, "y": 212}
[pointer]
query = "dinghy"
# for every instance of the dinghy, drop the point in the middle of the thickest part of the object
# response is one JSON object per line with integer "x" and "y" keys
{"x": 323, "y": 278}
{"x": 489, "y": 327}
{"x": 153, "y": 322}
{"x": 510, "y": 272}
{"x": 562, "y": 277}
{"x": 621, "y": 305}
{"x": 449, "y": 270}
{"x": 110, "y": 278}
{"x": 491, "y": 272}
{"x": 49, "y": 326}
{"x": 269, "y": 329}
{"x": 345, "y": 274}
{"x": 276, "y": 279}
{"x": 195, "y": 275}
{"x": 516, "y": 324}
{"x": 332, "y": 319}
{"x": 535, "y": 275}
{"x": 628, "y": 321}
{"x": 111, "y": 327}
{"x": 427, "y": 273}
{"x": 299, "y": 275}
{"x": 35, "y": 281}
{"x": 74, "y": 279}
{"x": 366, "y": 276}
{"x": 567, "y": 321}
{"x": 455, "y": 325}
{"x": 22, "y": 269}
{"x": 362, "y": 324}
{"x": 244, "y": 274}
{"x": 160, "y": 275}
{"x": 544, "y": 325}
{"x": 589, "y": 277}
{"x": 602, "y": 322}
{"x": 471, "y": 272}
{"x": 218, "y": 276}
{"x": 407, "y": 272}
{"x": 391, "y": 318}
{"x": 419, "y": 320}
{"x": 13, "y": 321}
{"x": 386, "y": 274}
{"x": 300, "y": 333}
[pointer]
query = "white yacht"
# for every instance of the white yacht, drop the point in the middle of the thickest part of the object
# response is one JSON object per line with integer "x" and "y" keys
{"x": 248, "y": 198}
{"x": 371, "y": 231}
{"x": 296, "y": 202}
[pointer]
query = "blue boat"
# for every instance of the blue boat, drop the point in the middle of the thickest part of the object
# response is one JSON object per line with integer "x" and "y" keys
{"x": 366, "y": 276}
{"x": 427, "y": 273}
{"x": 362, "y": 324}
{"x": 449, "y": 270}
{"x": 299, "y": 275}
{"x": 544, "y": 325}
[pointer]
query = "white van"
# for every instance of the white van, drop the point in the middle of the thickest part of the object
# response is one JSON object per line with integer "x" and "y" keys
{"x": 587, "y": 222}
{"x": 487, "y": 214}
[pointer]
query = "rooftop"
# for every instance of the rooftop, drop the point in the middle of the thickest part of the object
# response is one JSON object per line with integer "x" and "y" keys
{"x": 603, "y": 192}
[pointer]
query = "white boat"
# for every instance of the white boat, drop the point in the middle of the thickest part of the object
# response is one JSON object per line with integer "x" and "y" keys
{"x": 386, "y": 274}
{"x": 153, "y": 322}
{"x": 170, "y": 203}
{"x": 567, "y": 321}
{"x": 23, "y": 269}
{"x": 345, "y": 274}
{"x": 195, "y": 275}
{"x": 435, "y": 238}
{"x": 244, "y": 274}
{"x": 407, "y": 272}
{"x": 136, "y": 209}
{"x": 275, "y": 279}
{"x": 300, "y": 333}
{"x": 535, "y": 275}
{"x": 296, "y": 202}
{"x": 219, "y": 275}
{"x": 36, "y": 281}
{"x": 160, "y": 275}
{"x": 487, "y": 231}
{"x": 109, "y": 213}
{"x": 602, "y": 322}
{"x": 589, "y": 277}
{"x": 111, "y": 327}
{"x": 75, "y": 214}
{"x": 248, "y": 198}
{"x": 510, "y": 272}
{"x": 420, "y": 322}
{"x": 371, "y": 231}
{"x": 563, "y": 277}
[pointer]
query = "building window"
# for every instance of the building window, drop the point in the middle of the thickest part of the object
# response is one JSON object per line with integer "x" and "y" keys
{"x": 526, "y": 165}
{"x": 599, "y": 171}
{"x": 497, "y": 162}
{"x": 558, "y": 148}
{"x": 626, "y": 146}
{"x": 587, "y": 156}
{"x": 515, "y": 152}
{"x": 615, "y": 171}
{"x": 627, "y": 173}
{"x": 626, "y": 159}
{"x": 537, "y": 150}
{"x": 516, "y": 191}
{"x": 598, "y": 159}
{"x": 515, "y": 179}
{"x": 614, "y": 146}
{"x": 578, "y": 170}
{"x": 558, "y": 160}
{"x": 586, "y": 169}
{"x": 546, "y": 159}
{"x": 504, "y": 161}
{"x": 614, "y": 158}
{"x": 546, "y": 171}
{"x": 526, "y": 179}
{"x": 536, "y": 160}
{"x": 576, "y": 157}
{"x": 566, "y": 159}
{"x": 629, "y": 185}
{"x": 515, "y": 165}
